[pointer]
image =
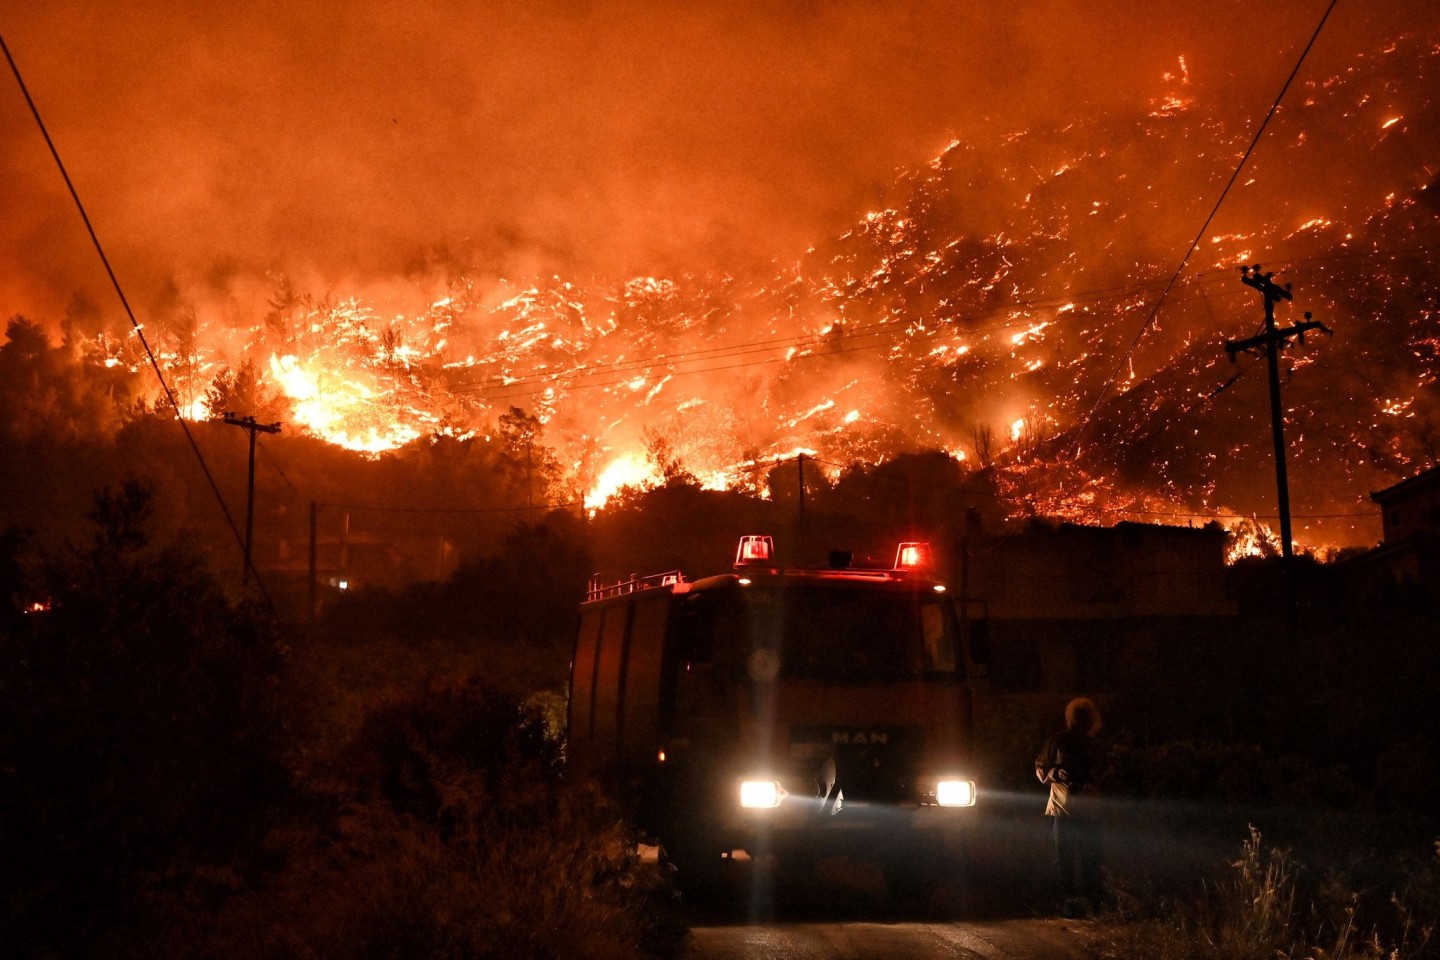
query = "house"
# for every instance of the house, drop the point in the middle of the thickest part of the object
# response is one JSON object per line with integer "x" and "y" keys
{"x": 1076, "y": 608}
{"x": 1411, "y": 507}
{"x": 1409, "y": 555}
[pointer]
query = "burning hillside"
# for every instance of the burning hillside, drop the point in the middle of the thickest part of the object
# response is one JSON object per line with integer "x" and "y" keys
{"x": 981, "y": 308}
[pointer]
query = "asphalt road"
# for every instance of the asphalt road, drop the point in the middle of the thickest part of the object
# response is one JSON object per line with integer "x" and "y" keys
{"x": 1004, "y": 907}
{"x": 1003, "y": 940}
{"x": 1004, "y": 902}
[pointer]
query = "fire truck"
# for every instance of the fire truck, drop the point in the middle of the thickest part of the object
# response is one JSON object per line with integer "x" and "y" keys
{"x": 790, "y": 713}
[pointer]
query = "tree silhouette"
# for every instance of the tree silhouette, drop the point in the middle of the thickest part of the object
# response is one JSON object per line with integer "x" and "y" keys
{"x": 244, "y": 393}
{"x": 139, "y": 730}
{"x": 44, "y": 393}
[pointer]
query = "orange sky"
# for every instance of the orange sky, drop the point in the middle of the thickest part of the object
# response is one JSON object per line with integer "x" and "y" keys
{"x": 348, "y": 142}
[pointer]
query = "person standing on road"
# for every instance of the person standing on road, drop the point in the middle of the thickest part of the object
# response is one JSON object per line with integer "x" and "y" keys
{"x": 1073, "y": 763}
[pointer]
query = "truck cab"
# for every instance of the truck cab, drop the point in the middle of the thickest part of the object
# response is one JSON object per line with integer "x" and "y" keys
{"x": 797, "y": 713}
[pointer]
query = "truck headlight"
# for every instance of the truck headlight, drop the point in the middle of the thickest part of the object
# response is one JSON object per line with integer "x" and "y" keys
{"x": 955, "y": 793}
{"x": 760, "y": 793}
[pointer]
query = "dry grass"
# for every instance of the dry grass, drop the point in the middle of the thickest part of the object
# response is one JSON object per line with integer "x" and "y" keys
{"x": 1261, "y": 909}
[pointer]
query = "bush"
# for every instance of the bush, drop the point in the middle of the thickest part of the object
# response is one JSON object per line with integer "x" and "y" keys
{"x": 455, "y": 835}
{"x": 1198, "y": 770}
{"x": 139, "y": 732}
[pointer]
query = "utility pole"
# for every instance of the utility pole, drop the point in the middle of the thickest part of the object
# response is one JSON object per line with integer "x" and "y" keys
{"x": 800, "y": 468}
{"x": 529, "y": 476}
{"x": 314, "y": 565}
{"x": 249, "y": 425}
{"x": 1270, "y": 343}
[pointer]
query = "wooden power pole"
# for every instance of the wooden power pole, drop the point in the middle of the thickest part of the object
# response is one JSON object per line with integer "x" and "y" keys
{"x": 249, "y": 425}
{"x": 314, "y": 566}
{"x": 1270, "y": 343}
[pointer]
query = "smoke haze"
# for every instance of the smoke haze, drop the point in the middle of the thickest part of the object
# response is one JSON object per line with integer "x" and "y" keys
{"x": 352, "y": 141}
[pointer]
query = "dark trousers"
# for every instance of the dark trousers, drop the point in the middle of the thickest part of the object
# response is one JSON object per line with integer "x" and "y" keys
{"x": 1077, "y": 857}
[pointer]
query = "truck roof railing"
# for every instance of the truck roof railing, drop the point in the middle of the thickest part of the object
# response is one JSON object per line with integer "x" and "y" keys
{"x": 756, "y": 553}
{"x": 598, "y": 590}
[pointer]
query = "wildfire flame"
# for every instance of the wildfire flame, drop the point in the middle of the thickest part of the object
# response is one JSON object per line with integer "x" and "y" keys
{"x": 929, "y": 326}
{"x": 339, "y": 409}
{"x": 629, "y": 470}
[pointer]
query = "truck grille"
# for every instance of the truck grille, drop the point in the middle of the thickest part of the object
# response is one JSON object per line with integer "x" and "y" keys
{"x": 869, "y": 764}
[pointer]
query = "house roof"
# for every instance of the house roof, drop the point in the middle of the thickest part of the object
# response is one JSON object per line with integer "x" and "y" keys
{"x": 1409, "y": 485}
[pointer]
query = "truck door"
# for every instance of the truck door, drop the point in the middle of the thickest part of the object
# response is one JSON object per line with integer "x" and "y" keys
{"x": 582, "y": 686}
{"x": 609, "y": 661}
{"x": 638, "y": 731}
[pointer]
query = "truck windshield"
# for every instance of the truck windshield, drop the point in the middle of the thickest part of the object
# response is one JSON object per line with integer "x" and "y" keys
{"x": 829, "y": 631}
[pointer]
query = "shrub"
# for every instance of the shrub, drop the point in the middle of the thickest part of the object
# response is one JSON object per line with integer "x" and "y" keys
{"x": 457, "y": 835}
{"x": 140, "y": 736}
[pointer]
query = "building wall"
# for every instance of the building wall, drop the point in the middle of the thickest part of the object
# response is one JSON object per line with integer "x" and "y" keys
{"x": 1411, "y": 507}
{"x": 1071, "y": 572}
{"x": 1092, "y": 656}
{"x": 1074, "y": 608}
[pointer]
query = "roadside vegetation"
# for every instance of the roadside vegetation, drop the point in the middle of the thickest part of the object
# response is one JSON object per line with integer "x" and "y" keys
{"x": 1266, "y": 903}
{"x": 179, "y": 778}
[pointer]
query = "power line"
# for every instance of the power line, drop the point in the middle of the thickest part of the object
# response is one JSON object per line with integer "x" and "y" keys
{"x": 575, "y": 378}
{"x": 274, "y": 462}
{"x": 873, "y": 332}
{"x": 1154, "y": 311}
{"x": 869, "y": 331}
{"x": 1150, "y": 513}
{"x": 134, "y": 323}
{"x": 1239, "y": 516}
{"x": 385, "y": 508}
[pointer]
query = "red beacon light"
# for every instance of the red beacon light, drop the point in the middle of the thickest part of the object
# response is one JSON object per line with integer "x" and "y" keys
{"x": 754, "y": 549}
{"x": 912, "y": 556}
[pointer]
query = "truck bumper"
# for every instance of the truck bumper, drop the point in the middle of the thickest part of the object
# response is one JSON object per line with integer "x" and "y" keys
{"x": 809, "y": 831}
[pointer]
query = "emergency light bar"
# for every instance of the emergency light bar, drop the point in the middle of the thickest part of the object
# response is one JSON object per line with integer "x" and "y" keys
{"x": 912, "y": 556}
{"x": 755, "y": 549}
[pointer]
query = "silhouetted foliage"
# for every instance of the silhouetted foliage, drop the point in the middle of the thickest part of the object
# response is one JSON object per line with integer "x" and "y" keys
{"x": 138, "y": 728}
{"x": 447, "y": 830}
{"x": 517, "y": 605}
{"x": 532, "y": 466}
{"x": 243, "y": 393}
{"x": 46, "y": 395}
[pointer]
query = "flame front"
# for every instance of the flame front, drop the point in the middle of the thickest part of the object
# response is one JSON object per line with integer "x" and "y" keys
{"x": 340, "y": 410}
{"x": 630, "y": 470}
